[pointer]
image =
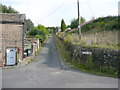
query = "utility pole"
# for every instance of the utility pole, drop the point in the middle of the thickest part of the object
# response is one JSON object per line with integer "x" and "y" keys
{"x": 79, "y": 20}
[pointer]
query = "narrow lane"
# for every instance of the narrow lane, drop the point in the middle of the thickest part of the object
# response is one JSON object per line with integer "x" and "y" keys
{"x": 53, "y": 57}
{"x": 45, "y": 72}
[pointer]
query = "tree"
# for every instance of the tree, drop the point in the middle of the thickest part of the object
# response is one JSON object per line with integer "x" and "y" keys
{"x": 82, "y": 20}
{"x": 41, "y": 37}
{"x": 68, "y": 26}
{"x": 63, "y": 25}
{"x": 74, "y": 23}
{"x": 34, "y": 31}
{"x": 29, "y": 25}
{"x": 43, "y": 29}
{"x": 11, "y": 10}
{"x": 39, "y": 32}
{"x": 5, "y": 9}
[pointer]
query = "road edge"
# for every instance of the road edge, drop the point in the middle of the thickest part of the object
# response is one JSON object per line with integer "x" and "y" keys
{"x": 63, "y": 65}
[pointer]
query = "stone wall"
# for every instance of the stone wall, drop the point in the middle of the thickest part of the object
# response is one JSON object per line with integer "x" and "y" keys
{"x": 93, "y": 58}
{"x": 35, "y": 43}
{"x": 12, "y": 37}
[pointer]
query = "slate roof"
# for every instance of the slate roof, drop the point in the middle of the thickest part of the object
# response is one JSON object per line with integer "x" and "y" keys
{"x": 11, "y": 17}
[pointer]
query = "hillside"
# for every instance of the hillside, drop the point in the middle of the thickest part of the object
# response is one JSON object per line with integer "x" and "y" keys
{"x": 109, "y": 23}
{"x": 101, "y": 32}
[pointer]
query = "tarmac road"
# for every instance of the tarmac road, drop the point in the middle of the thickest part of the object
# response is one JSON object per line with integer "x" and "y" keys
{"x": 46, "y": 72}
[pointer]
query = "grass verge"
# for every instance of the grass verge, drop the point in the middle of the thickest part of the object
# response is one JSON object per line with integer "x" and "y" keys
{"x": 30, "y": 60}
{"x": 37, "y": 52}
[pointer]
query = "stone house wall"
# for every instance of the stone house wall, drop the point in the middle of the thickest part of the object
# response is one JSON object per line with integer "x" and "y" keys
{"x": 12, "y": 37}
{"x": 12, "y": 33}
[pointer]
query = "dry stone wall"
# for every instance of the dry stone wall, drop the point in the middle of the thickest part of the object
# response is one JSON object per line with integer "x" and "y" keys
{"x": 106, "y": 60}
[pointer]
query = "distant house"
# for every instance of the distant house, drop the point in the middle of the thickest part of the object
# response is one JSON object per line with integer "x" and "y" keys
{"x": 12, "y": 38}
{"x": 68, "y": 29}
{"x": 58, "y": 29}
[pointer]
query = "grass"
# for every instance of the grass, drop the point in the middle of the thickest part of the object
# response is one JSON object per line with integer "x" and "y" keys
{"x": 103, "y": 39}
{"x": 30, "y": 60}
{"x": 37, "y": 52}
{"x": 102, "y": 46}
{"x": 63, "y": 53}
{"x": 81, "y": 67}
{"x": 67, "y": 58}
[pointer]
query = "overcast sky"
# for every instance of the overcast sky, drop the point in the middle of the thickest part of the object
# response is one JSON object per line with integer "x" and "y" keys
{"x": 50, "y": 12}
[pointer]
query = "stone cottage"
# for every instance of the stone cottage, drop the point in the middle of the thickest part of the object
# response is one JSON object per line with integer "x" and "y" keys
{"x": 12, "y": 36}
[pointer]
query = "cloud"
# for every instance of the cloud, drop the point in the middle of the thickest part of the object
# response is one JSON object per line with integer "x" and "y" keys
{"x": 50, "y": 12}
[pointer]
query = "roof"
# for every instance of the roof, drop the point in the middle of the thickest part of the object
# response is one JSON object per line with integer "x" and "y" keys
{"x": 12, "y": 17}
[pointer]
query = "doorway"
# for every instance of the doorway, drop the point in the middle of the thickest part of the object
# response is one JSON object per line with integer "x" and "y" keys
{"x": 11, "y": 56}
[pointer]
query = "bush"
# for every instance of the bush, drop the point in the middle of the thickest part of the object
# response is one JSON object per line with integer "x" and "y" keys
{"x": 102, "y": 23}
{"x": 41, "y": 37}
{"x": 39, "y": 32}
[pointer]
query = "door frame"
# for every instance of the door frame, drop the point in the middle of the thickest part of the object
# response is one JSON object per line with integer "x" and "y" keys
{"x": 6, "y": 56}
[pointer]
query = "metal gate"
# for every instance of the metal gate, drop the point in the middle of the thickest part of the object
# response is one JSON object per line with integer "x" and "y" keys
{"x": 11, "y": 56}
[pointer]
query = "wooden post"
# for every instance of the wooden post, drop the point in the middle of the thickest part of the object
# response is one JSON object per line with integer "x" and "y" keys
{"x": 79, "y": 19}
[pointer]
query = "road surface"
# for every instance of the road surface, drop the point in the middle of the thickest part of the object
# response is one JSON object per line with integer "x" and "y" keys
{"x": 45, "y": 72}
